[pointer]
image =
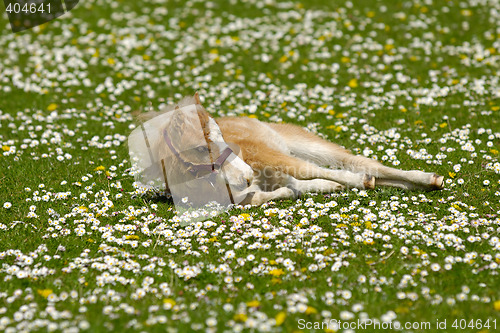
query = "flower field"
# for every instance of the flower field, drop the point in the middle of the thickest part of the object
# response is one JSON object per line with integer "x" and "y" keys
{"x": 414, "y": 84}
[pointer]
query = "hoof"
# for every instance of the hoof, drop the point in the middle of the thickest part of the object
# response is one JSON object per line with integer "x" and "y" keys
{"x": 437, "y": 182}
{"x": 369, "y": 182}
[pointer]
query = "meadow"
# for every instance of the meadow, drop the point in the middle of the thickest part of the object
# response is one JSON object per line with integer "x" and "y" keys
{"x": 414, "y": 84}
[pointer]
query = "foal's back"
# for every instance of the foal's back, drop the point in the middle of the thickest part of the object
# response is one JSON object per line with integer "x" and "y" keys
{"x": 256, "y": 137}
{"x": 251, "y": 135}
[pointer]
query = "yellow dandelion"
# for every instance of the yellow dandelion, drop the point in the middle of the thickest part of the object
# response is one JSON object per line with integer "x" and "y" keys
{"x": 402, "y": 309}
{"x": 280, "y": 318}
{"x": 131, "y": 237}
{"x": 311, "y": 310}
{"x": 388, "y": 47}
{"x": 169, "y": 301}
{"x": 52, "y": 107}
{"x": 353, "y": 83}
{"x": 275, "y": 280}
{"x": 277, "y": 272}
{"x": 253, "y": 304}
{"x": 44, "y": 292}
{"x": 466, "y": 12}
{"x": 328, "y": 252}
{"x": 240, "y": 317}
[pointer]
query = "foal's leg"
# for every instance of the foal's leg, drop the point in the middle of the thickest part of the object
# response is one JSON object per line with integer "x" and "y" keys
{"x": 294, "y": 188}
{"x": 259, "y": 197}
{"x": 308, "y": 146}
{"x": 256, "y": 193}
{"x": 314, "y": 185}
{"x": 303, "y": 170}
{"x": 387, "y": 176}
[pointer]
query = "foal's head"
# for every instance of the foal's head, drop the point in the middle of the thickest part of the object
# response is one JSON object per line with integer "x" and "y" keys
{"x": 198, "y": 157}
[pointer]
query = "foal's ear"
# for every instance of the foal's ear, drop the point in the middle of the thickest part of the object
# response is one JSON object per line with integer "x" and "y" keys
{"x": 197, "y": 98}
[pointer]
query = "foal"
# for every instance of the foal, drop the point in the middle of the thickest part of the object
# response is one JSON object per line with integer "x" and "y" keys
{"x": 287, "y": 160}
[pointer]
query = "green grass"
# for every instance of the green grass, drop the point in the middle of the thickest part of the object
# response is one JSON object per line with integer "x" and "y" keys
{"x": 397, "y": 77}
